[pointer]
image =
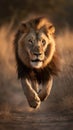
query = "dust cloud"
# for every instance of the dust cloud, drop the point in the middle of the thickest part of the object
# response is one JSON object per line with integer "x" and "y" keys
{"x": 11, "y": 93}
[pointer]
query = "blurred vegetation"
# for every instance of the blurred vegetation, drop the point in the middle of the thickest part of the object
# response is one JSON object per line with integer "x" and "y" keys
{"x": 60, "y": 11}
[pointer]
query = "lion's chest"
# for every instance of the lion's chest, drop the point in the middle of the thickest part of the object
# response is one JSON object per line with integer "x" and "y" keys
{"x": 36, "y": 86}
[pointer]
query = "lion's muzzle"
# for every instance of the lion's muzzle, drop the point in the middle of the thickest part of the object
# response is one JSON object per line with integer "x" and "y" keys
{"x": 37, "y": 60}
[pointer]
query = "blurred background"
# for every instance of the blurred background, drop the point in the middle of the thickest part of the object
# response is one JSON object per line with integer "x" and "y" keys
{"x": 61, "y": 11}
{"x": 61, "y": 14}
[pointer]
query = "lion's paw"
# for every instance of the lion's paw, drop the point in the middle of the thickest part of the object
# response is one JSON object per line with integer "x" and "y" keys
{"x": 34, "y": 101}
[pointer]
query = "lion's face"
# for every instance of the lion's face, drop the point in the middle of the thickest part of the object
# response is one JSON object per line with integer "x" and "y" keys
{"x": 36, "y": 48}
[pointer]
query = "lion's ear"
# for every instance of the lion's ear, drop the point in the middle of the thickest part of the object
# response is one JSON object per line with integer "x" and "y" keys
{"x": 23, "y": 28}
{"x": 51, "y": 29}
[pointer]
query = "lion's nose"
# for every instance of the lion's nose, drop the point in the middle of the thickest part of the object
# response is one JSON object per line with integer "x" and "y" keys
{"x": 37, "y": 54}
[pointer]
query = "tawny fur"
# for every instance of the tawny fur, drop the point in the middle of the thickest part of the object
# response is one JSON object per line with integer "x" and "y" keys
{"x": 37, "y": 58}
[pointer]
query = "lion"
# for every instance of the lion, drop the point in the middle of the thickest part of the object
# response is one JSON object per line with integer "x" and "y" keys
{"x": 37, "y": 59}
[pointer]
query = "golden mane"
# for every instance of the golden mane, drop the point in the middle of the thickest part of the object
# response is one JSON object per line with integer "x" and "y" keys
{"x": 43, "y": 74}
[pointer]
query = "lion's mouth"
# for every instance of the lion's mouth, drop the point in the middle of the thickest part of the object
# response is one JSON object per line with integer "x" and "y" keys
{"x": 36, "y": 63}
{"x": 37, "y": 60}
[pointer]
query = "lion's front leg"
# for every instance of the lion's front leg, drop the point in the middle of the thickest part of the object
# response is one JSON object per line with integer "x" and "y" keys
{"x": 44, "y": 93}
{"x": 30, "y": 93}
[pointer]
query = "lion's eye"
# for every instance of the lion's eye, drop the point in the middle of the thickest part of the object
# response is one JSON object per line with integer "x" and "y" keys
{"x": 43, "y": 41}
{"x": 30, "y": 41}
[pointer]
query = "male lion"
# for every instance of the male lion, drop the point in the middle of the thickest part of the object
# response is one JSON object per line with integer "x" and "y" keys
{"x": 37, "y": 58}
